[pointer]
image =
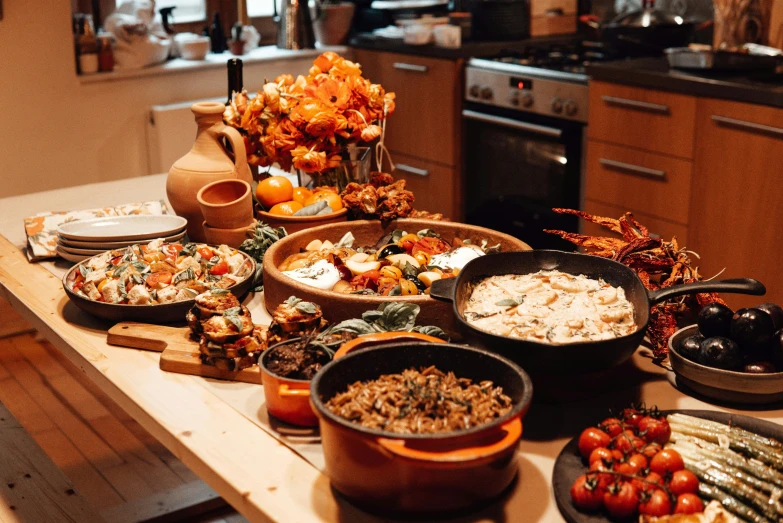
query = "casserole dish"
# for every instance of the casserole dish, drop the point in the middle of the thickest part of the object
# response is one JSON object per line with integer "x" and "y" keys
{"x": 403, "y": 473}
{"x": 578, "y": 357}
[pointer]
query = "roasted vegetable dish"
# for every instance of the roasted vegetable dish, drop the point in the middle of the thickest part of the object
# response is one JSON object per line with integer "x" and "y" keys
{"x": 423, "y": 401}
{"x": 399, "y": 264}
{"x": 158, "y": 273}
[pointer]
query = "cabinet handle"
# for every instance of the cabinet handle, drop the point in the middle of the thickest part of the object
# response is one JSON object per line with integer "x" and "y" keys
{"x": 411, "y": 67}
{"x": 411, "y": 170}
{"x": 632, "y": 168}
{"x": 636, "y": 104}
{"x": 747, "y": 125}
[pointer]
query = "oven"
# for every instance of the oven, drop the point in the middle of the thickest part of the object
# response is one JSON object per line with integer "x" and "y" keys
{"x": 523, "y": 144}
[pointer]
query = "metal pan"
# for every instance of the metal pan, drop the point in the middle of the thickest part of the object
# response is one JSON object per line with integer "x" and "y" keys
{"x": 573, "y": 358}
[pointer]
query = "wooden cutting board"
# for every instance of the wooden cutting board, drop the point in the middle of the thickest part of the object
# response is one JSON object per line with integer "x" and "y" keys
{"x": 178, "y": 352}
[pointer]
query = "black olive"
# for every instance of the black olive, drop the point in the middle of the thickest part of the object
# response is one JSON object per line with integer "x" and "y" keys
{"x": 751, "y": 327}
{"x": 775, "y": 312}
{"x": 776, "y": 347}
{"x": 416, "y": 281}
{"x": 689, "y": 347}
{"x": 721, "y": 353}
{"x": 715, "y": 320}
{"x": 759, "y": 367}
{"x": 390, "y": 249}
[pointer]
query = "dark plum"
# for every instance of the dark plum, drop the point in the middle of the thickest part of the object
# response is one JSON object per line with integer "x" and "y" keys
{"x": 760, "y": 367}
{"x": 715, "y": 320}
{"x": 751, "y": 327}
{"x": 721, "y": 353}
{"x": 775, "y": 312}
{"x": 689, "y": 347}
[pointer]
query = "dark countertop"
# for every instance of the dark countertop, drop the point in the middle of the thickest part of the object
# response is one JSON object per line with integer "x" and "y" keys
{"x": 759, "y": 88}
{"x": 469, "y": 49}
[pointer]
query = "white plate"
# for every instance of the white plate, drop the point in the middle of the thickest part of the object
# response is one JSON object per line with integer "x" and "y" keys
{"x": 107, "y": 246}
{"x": 123, "y": 228}
{"x": 75, "y": 258}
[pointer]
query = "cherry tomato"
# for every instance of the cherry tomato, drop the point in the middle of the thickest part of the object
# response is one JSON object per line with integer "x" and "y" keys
{"x": 684, "y": 482}
{"x": 650, "y": 450}
{"x": 657, "y": 504}
{"x": 611, "y": 426}
{"x": 363, "y": 281}
{"x": 598, "y": 469}
{"x": 430, "y": 245}
{"x": 220, "y": 268}
{"x": 627, "y": 444}
{"x": 654, "y": 430}
{"x": 688, "y": 504}
{"x": 116, "y": 260}
{"x": 171, "y": 250}
{"x": 587, "y": 494}
{"x": 601, "y": 453}
{"x": 155, "y": 279}
{"x": 621, "y": 500}
{"x": 631, "y": 417}
{"x": 78, "y": 285}
{"x": 667, "y": 461}
{"x": 648, "y": 483}
{"x": 637, "y": 462}
{"x": 592, "y": 438}
{"x": 206, "y": 253}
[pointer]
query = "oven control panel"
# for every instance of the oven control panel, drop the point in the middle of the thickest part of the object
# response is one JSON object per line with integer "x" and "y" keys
{"x": 526, "y": 91}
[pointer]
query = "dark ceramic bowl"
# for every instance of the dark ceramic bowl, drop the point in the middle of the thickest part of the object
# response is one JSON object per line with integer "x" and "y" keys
{"x": 719, "y": 384}
{"x": 402, "y": 473}
{"x": 165, "y": 313}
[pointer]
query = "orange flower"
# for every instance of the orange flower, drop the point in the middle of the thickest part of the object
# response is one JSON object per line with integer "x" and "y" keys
{"x": 303, "y": 113}
{"x": 284, "y": 79}
{"x": 371, "y": 132}
{"x": 343, "y": 68}
{"x": 272, "y": 97}
{"x": 326, "y": 61}
{"x": 324, "y": 123}
{"x": 332, "y": 92}
{"x": 307, "y": 160}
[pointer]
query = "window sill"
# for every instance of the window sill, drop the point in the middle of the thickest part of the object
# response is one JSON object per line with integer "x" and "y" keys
{"x": 268, "y": 53}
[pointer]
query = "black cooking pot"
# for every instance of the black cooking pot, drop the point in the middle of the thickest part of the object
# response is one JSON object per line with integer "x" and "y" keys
{"x": 572, "y": 358}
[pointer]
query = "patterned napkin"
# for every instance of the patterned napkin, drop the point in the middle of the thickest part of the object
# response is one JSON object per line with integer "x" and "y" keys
{"x": 41, "y": 229}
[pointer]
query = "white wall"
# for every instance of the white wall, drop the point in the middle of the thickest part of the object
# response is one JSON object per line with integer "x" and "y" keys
{"x": 58, "y": 132}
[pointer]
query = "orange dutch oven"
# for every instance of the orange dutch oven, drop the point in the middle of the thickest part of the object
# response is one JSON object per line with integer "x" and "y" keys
{"x": 403, "y": 473}
{"x": 288, "y": 399}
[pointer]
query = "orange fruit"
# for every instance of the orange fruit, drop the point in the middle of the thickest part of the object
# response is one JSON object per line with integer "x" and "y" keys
{"x": 301, "y": 194}
{"x": 333, "y": 199}
{"x": 285, "y": 208}
{"x": 274, "y": 190}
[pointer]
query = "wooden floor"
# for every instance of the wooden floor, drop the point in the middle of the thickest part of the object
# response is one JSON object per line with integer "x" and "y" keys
{"x": 125, "y": 473}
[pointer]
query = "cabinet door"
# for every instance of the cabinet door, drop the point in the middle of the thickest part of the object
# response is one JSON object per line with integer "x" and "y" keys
{"x": 736, "y": 207}
{"x": 432, "y": 184}
{"x": 428, "y": 91}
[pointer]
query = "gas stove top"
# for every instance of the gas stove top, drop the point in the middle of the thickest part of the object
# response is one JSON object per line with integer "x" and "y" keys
{"x": 548, "y": 80}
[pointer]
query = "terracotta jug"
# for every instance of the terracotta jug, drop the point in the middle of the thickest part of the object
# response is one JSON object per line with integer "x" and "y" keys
{"x": 207, "y": 161}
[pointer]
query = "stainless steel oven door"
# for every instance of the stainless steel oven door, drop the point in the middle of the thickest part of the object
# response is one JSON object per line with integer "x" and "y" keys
{"x": 517, "y": 170}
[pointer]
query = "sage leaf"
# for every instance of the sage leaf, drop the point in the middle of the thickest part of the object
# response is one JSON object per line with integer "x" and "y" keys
{"x": 312, "y": 209}
{"x": 187, "y": 274}
{"x": 307, "y": 307}
{"x": 292, "y": 301}
{"x": 372, "y": 316}
{"x": 511, "y": 302}
{"x": 84, "y": 270}
{"x": 398, "y": 316}
{"x": 432, "y": 330}
{"x": 355, "y": 326}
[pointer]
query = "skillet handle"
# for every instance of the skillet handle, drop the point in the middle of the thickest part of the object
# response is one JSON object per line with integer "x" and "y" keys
{"x": 736, "y": 285}
{"x": 443, "y": 289}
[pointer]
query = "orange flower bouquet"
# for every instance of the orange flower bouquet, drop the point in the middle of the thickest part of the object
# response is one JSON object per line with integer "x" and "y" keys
{"x": 309, "y": 123}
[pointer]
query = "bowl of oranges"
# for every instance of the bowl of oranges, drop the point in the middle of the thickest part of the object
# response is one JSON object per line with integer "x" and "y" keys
{"x": 297, "y": 208}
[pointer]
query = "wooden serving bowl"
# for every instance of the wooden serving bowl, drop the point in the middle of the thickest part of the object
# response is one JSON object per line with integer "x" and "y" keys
{"x": 337, "y": 306}
{"x": 294, "y": 224}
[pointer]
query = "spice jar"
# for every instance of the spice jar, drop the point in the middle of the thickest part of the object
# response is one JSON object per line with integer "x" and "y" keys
{"x": 105, "y": 52}
{"x": 87, "y": 45}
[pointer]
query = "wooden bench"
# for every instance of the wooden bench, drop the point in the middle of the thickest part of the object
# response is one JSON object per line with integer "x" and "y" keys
{"x": 33, "y": 489}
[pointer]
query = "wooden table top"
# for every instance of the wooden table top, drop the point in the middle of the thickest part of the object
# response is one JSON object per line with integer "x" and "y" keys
{"x": 207, "y": 424}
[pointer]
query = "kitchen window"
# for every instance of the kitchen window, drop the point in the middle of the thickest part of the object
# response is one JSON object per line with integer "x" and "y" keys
{"x": 259, "y": 8}
{"x": 186, "y": 10}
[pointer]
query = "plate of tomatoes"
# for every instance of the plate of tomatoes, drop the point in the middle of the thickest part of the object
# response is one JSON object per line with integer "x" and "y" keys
{"x": 620, "y": 469}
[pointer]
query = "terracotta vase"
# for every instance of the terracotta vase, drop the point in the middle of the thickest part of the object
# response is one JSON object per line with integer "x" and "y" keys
{"x": 207, "y": 161}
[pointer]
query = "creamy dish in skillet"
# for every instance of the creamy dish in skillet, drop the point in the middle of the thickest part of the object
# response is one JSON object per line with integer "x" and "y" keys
{"x": 550, "y": 307}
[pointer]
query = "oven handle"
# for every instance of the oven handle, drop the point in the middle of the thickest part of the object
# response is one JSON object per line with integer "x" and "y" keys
{"x": 512, "y": 124}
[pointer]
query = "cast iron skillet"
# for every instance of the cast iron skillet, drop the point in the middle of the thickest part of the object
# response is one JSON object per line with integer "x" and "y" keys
{"x": 573, "y": 358}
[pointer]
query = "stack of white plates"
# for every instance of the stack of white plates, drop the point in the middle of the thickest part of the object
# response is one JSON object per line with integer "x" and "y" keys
{"x": 77, "y": 241}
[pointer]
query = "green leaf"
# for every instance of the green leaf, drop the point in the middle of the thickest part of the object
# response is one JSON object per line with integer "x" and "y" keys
{"x": 120, "y": 269}
{"x": 368, "y": 292}
{"x": 138, "y": 280}
{"x": 397, "y": 234}
{"x": 187, "y": 274}
{"x": 428, "y": 233}
{"x": 232, "y": 315}
{"x": 396, "y": 291}
{"x": 312, "y": 209}
{"x": 398, "y": 316}
{"x": 84, "y": 270}
{"x": 140, "y": 266}
{"x": 307, "y": 307}
{"x": 218, "y": 291}
{"x": 372, "y": 316}
{"x": 409, "y": 270}
{"x": 432, "y": 330}
{"x": 511, "y": 302}
{"x": 346, "y": 241}
{"x": 355, "y": 326}
{"x": 189, "y": 249}
{"x": 292, "y": 301}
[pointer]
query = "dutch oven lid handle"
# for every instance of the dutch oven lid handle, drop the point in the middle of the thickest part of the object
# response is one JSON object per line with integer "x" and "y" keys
{"x": 443, "y": 289}
{"x": 736, "y": 285}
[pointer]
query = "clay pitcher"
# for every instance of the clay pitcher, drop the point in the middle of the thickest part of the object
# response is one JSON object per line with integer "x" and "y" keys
{"x": 207, "y": 161}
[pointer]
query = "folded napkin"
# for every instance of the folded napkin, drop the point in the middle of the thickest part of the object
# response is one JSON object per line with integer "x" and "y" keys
{"x": 41, "y": 229}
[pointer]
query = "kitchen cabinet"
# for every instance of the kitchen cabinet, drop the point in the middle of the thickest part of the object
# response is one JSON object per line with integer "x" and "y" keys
{"x": 424, "y": 132}
{"x": 701, "y": 169}
{"x": 737, "y": 194}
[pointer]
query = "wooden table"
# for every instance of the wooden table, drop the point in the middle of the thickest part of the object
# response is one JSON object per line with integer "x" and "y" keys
{"x": 207, "y": 424}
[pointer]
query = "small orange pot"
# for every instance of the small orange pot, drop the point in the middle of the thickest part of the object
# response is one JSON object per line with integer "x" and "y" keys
{"x": 402, "y": 473}
{"x": 289, "y": 399}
